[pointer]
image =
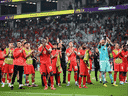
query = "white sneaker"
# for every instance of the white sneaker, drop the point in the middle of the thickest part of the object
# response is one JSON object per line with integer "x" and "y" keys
{"x": 2, "y": 85}
{"x": 76, "y": 84}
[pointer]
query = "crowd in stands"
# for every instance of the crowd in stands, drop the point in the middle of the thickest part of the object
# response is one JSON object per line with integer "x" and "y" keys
{"x": 78, "y": 28}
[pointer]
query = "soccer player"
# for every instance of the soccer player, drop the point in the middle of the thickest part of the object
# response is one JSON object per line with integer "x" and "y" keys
{"x": 55, "y": 56}
{"x": 83, "y": 66}
{"x": 45, "y": 60}
{"x": 117, "y": 62}
{"x": 29, "y": 68}
{"x": 9, "y": 67}
{"x": 71, "y": 54}
{"x": 2, "y": 57}
{"x": 124, "y": 68}
{"x": 104, "y": 60}
{"x": 18, "y": 65}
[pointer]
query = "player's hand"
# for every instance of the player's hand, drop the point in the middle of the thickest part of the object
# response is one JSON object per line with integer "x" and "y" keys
{"x": 32, "y": 51}
{"x": 57, "y": 40}
{"x": 47, "y": 39}
{"x": 125, "y": 55}
{"x": 55, "y": 55}
{"x": 3, "y": 64}
{"x": 122, "y": 47}
{"x": 61, "y": 41}
{"x": 21, "y": 50}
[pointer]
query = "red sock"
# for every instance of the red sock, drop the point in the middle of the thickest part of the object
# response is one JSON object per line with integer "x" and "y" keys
{"x": 75, "y": 76}
{"x": 125, "y": 77}
{"x": 88, "y": 78}
{"x": 45, "y": 82}
{"x": 3, "y": 80}
{"x": 69, "y": 77}
{"x": 7, "y": 76}
{"x": 52, "y": 82}
{"x": 80, "y": 78}
{"x": 121, "y": 77}
{"x": 58, "y": 79}
{"x": 115, "y": 74}
{"x": 27, "y": 81}
{"x": 33, "y": 80}
{"x": 10, "y": 80}
{"x": 84, "y": 81}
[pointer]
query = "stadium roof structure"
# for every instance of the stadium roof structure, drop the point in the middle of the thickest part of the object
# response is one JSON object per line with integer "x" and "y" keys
{"x": 64, "y": 12}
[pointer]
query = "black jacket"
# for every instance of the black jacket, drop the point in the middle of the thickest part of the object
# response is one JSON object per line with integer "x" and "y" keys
{"x": 96, "y": 60}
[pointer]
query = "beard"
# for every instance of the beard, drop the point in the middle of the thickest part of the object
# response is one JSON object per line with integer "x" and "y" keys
{"x": 84, "y": 48}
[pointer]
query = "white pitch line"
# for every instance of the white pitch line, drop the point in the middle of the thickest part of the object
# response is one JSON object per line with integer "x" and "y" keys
{"x": 54, "y": 94}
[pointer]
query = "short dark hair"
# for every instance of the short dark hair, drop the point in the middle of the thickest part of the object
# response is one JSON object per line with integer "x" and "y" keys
{"x": 25, "y": 43}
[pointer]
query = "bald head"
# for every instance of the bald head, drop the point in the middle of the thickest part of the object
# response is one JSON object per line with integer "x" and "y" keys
{"x": 116, "y": 46}
{"x": 102, "y": 42}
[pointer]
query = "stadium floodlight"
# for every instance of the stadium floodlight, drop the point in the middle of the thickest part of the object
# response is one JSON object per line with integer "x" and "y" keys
{"x": 34, "y": 3}
{"x": 26, "y": 2}
{"x": 9, "y": 5}
{"x": 12, "y": 5}
{"x": 15, "y": 5}
{"x": 53, "y": 1}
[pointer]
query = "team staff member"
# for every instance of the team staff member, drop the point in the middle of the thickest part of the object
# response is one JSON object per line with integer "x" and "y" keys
{"x": 96, "y": 63}
{"x": 62, "y": 47}
{"x": 9, "y": 67}
{"x": 18, "y": 65}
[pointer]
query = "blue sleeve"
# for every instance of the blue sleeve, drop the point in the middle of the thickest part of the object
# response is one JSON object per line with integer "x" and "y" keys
{"x": 99, "y": 47}
{"x": 107, "y": 44}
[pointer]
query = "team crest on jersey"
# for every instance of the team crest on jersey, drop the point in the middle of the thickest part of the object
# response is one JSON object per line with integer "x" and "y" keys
{"x": 44, "y": 52}
{"x": 50, "y": 67}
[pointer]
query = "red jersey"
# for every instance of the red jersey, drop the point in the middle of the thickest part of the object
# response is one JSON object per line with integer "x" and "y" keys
{"x": 72, "y": 57}
{"x": 53, "y": 53}
{"x": 18, "y": 57}
{"x": 81, "y": 52}
{"x": 5, "y": 50}
{"x": 45, "y": 56}
{"x": 125, "y": 60}
{"x": 50, "y": 44}
{"x": 116, "y": 54}
{"x": 1, "y": 57}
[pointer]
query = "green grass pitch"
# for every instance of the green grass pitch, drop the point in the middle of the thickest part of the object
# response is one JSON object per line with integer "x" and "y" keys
{"x": 93, "y": 90}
